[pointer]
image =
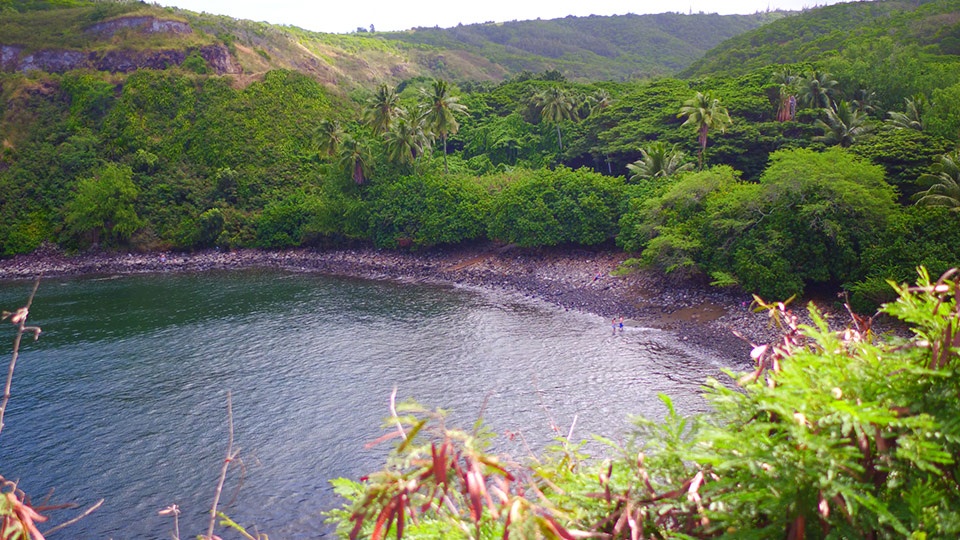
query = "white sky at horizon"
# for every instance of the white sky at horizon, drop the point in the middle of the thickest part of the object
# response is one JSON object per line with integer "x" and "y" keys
{"x": 389, "y": 15}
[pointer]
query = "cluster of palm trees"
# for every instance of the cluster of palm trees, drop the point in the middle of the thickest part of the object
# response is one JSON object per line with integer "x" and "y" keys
{"x": 409, "y": 133}
{"x": 659, "y": 160}
{"x": 813, "y": 89}
{"x": 406, "y": 135}
{"x": 843, "y": 121}
{"x": 557, "y": 105}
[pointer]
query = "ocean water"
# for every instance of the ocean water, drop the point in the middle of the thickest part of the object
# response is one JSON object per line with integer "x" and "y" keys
{"x": 124, "y": 396}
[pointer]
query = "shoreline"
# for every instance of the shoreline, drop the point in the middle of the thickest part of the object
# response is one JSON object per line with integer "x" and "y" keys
{"x": 572, "y": 278}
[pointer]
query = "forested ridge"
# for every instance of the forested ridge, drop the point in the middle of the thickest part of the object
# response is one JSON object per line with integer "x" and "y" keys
{"x": 592, "y": 48}
{"x": 816, "y": 153}
{"x": 845, "y": 28}
{"x": 624, "y": 47}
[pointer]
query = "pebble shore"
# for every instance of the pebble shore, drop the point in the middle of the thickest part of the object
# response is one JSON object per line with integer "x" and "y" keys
{"x": 573, "y": 278}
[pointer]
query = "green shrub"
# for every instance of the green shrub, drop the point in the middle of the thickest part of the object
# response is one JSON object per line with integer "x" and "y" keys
{"x": 914, "y": 236}
{"x": 90, "y": 95}
{"x": 424, "y": 211}
{"x": 807, "y": 221}
{"x": 548, "y": 208}
{"x": 905, "y": 154}
{"x": 677, "y": 212}
{"x": 201, "y": 232}
{"x": 944, "y": 116}
{"x": 868, "y": 294}
{"x": 287, "y": 222}
{"x": 811, "y": 219}
{"x": 102, "y": 206}
{"x": 195, "y": 64}
{"x": 26, "y": 236}
{"x": 309, "y": 218}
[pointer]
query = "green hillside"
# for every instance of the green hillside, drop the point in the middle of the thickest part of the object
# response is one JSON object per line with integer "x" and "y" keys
{"x": 233, "y": 133}
{"x": 125, "y": 35}
{"x": 595, "y": 47}
{"x": 932, "y": 25}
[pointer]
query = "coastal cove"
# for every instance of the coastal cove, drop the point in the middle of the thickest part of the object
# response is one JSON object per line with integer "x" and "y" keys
{"x": 123, "y": 396}
{"x": 701, "y": 315}
{"x": 617, "y": 276}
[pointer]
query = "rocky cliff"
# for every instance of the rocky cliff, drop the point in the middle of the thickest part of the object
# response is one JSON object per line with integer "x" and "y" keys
{"x": 14, "y": 57}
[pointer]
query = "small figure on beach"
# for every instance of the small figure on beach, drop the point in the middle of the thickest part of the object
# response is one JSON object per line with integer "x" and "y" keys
{"x": 613, "y": 323}
{"x": 598, "y": 276}
{"x": 621, "y": 323}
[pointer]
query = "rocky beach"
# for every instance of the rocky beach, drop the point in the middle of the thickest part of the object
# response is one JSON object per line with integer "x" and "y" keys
{"x": 578, "y": 279}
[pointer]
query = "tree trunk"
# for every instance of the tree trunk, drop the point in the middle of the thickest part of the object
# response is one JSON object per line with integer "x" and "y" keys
{"x": 445, "y": 170}
{"x": 703, "y": 144}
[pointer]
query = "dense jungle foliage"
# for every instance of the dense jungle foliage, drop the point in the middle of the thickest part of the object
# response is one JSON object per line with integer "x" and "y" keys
{"x": 807, "y": 175}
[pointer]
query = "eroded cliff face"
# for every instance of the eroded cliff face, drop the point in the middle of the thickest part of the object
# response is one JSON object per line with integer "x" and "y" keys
{"x": 14, "y": 58}
{"x": 146, "y": 25}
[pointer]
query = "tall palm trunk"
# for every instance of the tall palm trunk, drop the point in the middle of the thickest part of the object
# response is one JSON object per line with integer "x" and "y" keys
{"x": 703, "y": 144}
{"x": 358, "y": 176}
{"x": 445, "y": 169}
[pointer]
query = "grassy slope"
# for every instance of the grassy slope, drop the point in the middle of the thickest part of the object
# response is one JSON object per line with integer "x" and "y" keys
{"x": 66, "y": 27}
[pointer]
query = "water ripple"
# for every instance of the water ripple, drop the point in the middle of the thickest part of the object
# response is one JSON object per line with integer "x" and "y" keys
{"x": 124, "y": 397}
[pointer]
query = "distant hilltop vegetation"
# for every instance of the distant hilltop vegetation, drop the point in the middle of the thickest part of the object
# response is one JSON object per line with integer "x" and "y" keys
{"x": 122, "y": 36}
{"x": 933, "y": 25}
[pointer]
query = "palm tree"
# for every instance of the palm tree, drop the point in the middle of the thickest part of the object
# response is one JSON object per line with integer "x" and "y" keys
{"x": 786, "y": 94}
{"x": 330, "y": 135}
{"x": 598, "y": 101}
{"x": 912, "y": 117}
{"x": 556, "y": 106}
{"x": 407, "y": 141}
{"x": 865, "y": 101}
{"x": 356, "y": 158}
{"x": 817, "y": 90}
{"x": 659, "y": 161}
{"x": 843, "y": 126}
{"x": 382, "y": 109}
{"x": 944, "y": 184}
{"x": 439, "y": 113}
{"x": 704, "y": 112}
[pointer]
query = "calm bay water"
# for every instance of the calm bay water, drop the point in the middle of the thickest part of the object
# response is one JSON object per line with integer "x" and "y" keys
{"x": 123, "y": 397}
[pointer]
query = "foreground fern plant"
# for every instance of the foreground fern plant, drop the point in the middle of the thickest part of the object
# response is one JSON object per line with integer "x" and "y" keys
{"x": 834, "y": 434}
